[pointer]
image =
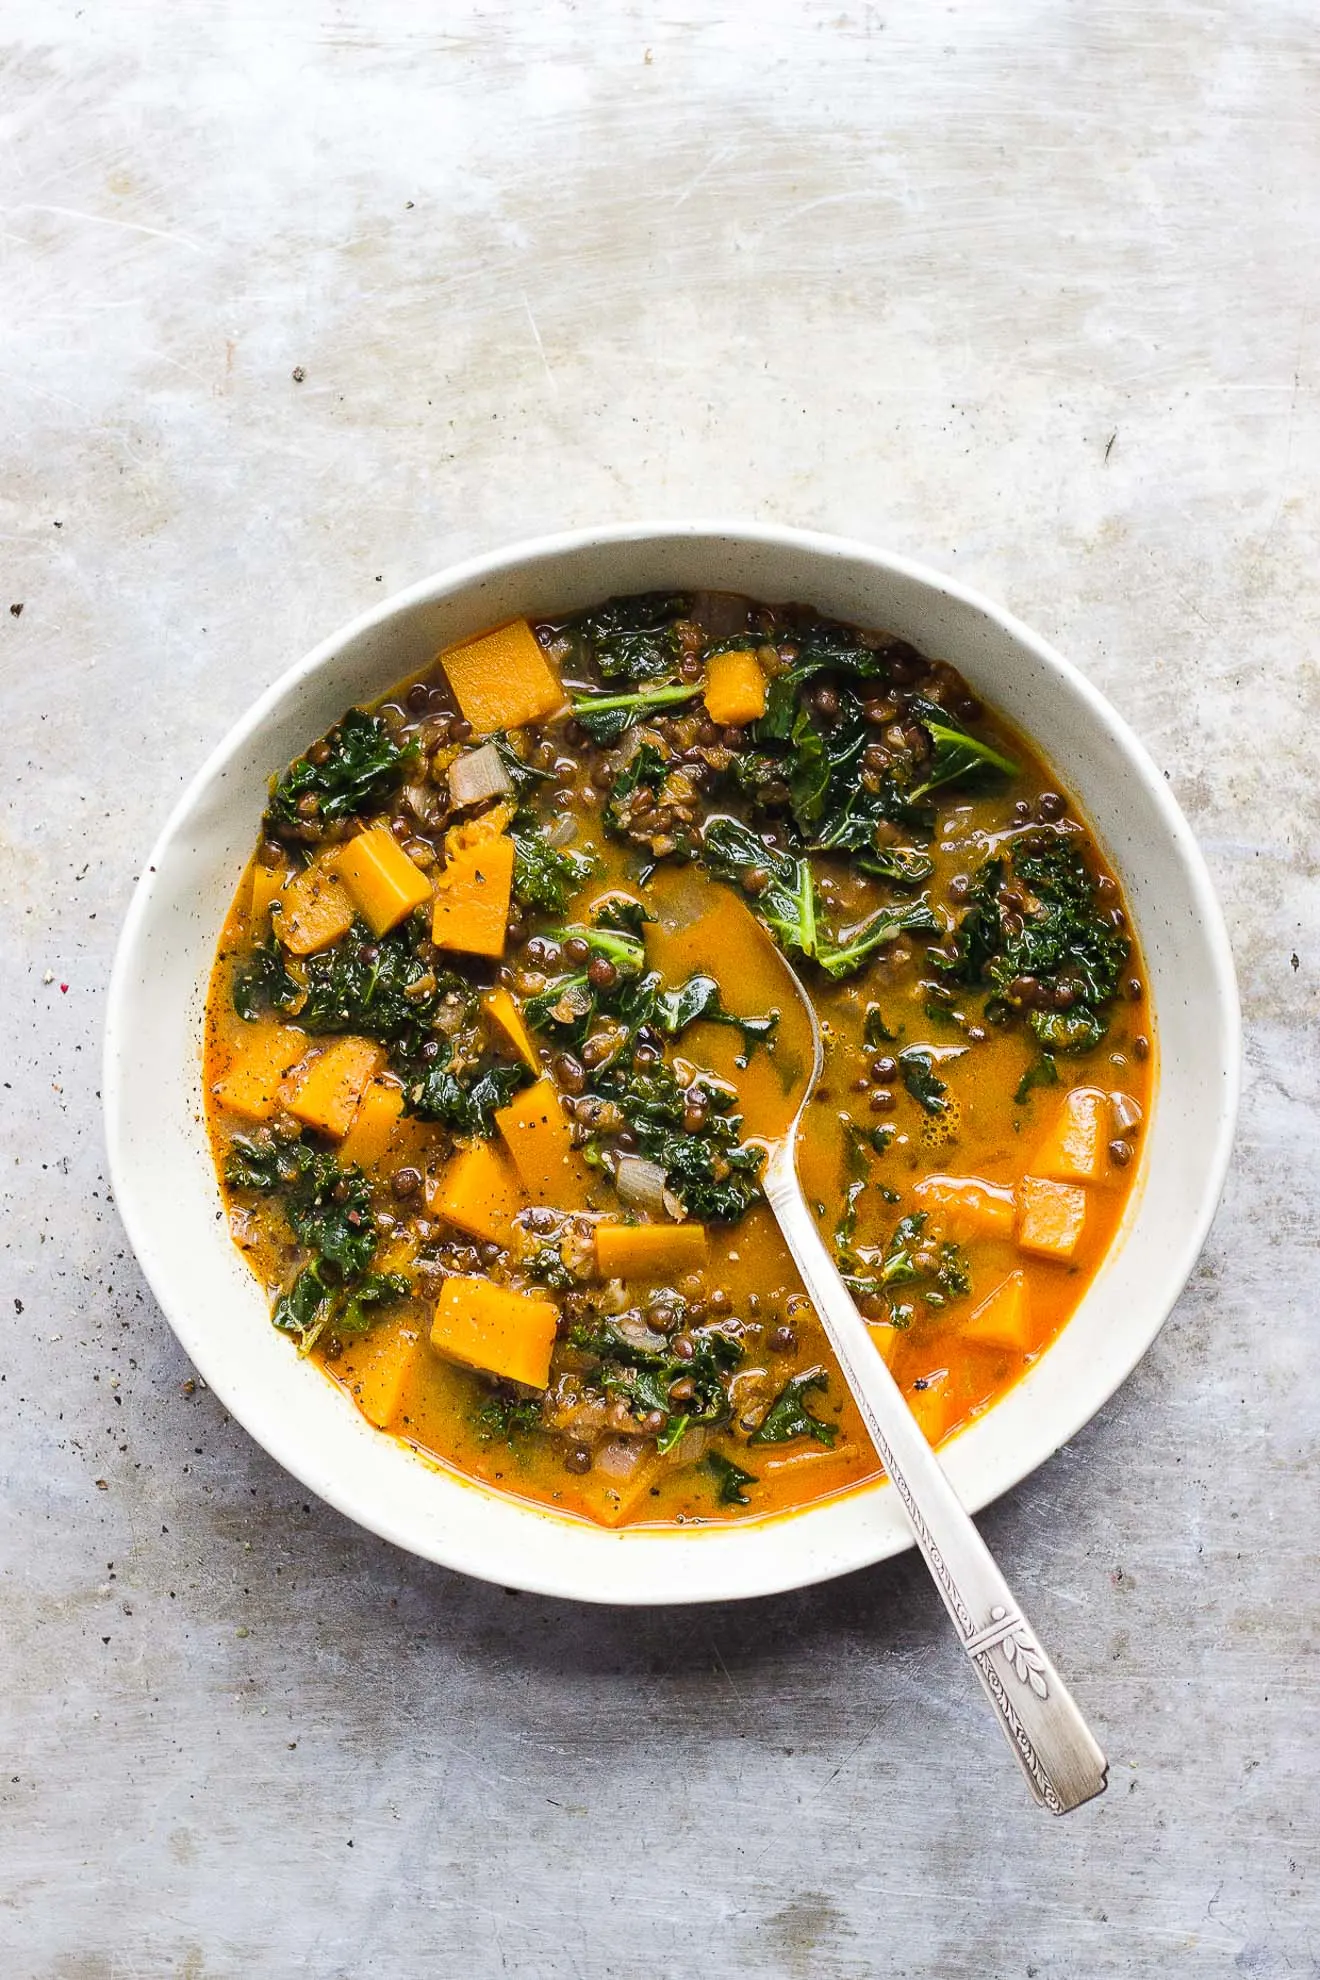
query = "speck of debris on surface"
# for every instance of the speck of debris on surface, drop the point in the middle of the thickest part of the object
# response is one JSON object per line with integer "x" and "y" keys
{"x": 16, "y": 611}
{"x": 1296, "y": 960}
{"x": 298, "y": 374}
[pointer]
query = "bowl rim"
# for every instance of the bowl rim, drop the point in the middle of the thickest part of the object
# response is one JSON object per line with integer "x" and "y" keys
{"x": 449, "y": 582}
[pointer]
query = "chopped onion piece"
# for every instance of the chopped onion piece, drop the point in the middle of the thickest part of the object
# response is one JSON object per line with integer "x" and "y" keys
{"x": 420, "y": 800}
{"x": 1126, "y": 1112}
{"x": 575, "y": 1003}
{"x": 620, "y": 1457}
{"x": 637, "y": 1334}
{"x": 477, "y": 776}
{"x": 562, "y": 832}
{"x": 641, "y": 1183}
{"x": 692, "y": 1444}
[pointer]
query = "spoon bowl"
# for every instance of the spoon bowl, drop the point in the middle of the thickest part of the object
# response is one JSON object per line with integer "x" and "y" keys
{"x": 704, "y": 925}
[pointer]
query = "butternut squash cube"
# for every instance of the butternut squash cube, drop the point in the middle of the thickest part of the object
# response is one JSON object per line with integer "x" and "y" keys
{"x": 379, "y": 1370}
{"x": 886, "y": 1339}
{"x": 478, "y": 1193}
{"x": 506, "y": 1021}
{"x": 1073, "y": 1149}
{"x": 649, "y": 1251}
{"x": 372, "y": 1126}
{"x": 1051, "y": 1217}
{"x": 622, "y": 1490}
{"x": 536, "y": 1135}
{"x": 933, "y": 1406}
{"x": 735, "y": 689}
{"x": 381, "y": 880}
{"x": 267, "y": 885}
{"x": 262, "y": 1061}
{"x": 326, "y": 1092}
{"x": 475, "y": 831}
{"x": 502, "y": 680}
{"x": 488, "y": 1326}
{"x": 1002, "y": 1320}
{"x": 471, "y": 908}
{"x": 967, "y": 1206}
{"x": 314, "y": 911}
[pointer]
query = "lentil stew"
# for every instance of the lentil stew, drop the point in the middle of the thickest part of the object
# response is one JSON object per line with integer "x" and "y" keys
{"x": 477, "y": 1096}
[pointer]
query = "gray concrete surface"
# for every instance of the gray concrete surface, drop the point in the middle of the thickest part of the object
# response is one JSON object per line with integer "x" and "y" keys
{"x": 1026, "y": 289}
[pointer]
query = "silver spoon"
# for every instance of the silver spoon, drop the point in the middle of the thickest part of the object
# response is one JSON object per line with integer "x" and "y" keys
{"x": 1048, "y": 1735}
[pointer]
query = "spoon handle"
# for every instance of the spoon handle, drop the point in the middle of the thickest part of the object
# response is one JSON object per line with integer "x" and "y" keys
{"x": 1047, "y": 1733}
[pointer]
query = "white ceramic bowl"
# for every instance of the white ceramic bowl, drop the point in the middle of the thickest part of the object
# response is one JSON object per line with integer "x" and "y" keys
{"x": 161, "y": 1167}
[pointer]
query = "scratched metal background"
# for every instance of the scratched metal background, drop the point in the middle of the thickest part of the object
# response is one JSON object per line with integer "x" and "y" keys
{"x": 1027, "y": 289}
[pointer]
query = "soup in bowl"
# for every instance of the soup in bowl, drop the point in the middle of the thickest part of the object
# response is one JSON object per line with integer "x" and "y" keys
{"x": 485, "y": 1054}
{"x": 484, "y": 1051}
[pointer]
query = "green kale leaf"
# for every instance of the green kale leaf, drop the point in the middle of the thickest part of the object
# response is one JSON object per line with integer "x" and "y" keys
{"x": 364, "y": 768}
{"x": 730, "y": 1479}
{"x": 633, "y": 639}
{"x": 507, "y": 1417}
{"x": 622, "y": 914}
{"x": 266, "y": 1163}
{"x": 1066, "y": 945}
{"x": 305, "y": 1308}
{"x": 265, "y": 984}
{"x": 328, "y": 1207}
{"x": 1034, "y": 934}
{"x": 965, "y": 956}
{"x": 645, "y": 769}
{"x": 358, "y": 1314}
{"x": 875, "y": 1031}
{"x": 700, "y": 997}
{"x": 788, "y": 904}
{"x": 329, "y": 1212}
{"x": 378, "y": 987}
{"x": 546, "y": 876}
{"x": 852, "y": 953}
{"x": 917, "y": 1065}
{"x": 617, "y": 945}
{"x": 822, "y": 647}
{"x": 941, "y": 1273}
{"x": 524, "y": 776}
{"x": 642, "y": 1376}
{"x": 713, "y": 1173}
{"x": 788, "y": 1415}
{"x": 956, "y": 754}
{"x": 544, "y": 1262}
{"x": 904, "y": 865}
{"x": 899, "y": 1266}
{"x": 606, "y": 717}
{"x": 464, "y": 1102}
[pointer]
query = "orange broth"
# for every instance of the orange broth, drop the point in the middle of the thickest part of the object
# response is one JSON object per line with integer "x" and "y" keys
{"x": 581, "y": 1444}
